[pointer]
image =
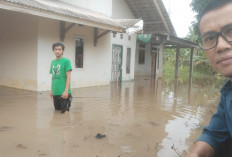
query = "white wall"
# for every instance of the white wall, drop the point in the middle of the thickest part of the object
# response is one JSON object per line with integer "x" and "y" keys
{"x": 101, "y": 6}
{"x": 120, "y": 10}
{"x": 97, "y": 60}
{"x": 112, "y": 8}
{"x": 48, "y": 33}
{"x": 143, "y": 69}
{"x": 18, "y": 50}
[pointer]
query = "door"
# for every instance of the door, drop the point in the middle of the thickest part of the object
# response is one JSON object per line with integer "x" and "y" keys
{"x": 116, "y": 74}
{"x": 154, "y": 63}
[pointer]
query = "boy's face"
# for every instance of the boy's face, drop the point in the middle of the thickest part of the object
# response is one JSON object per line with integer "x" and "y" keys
{"x": 58, "y": 51}
{"x": 220, "y": 57}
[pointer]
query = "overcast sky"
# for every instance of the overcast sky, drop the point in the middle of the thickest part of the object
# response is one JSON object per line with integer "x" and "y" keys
{"x": 181, "y": 15}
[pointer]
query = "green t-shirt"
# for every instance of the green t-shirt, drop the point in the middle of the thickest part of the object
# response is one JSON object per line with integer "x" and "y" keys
{"x": 58, "y": 70}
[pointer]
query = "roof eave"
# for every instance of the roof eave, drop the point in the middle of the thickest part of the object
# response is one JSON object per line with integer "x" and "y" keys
{"x": 52, "y": 15}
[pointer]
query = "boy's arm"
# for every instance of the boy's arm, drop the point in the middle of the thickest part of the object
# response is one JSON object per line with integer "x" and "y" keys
{"x": 201, "y": 149}
{"x": 51, "y": 94}
{"x": 68, "y": 80}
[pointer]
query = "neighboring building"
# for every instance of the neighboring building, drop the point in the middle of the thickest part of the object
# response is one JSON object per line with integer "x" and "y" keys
{"x": 159, "y": 30}
{"x": 93, "y": 33}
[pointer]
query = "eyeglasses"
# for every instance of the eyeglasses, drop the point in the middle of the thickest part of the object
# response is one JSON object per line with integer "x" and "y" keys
{"x": 210, "y": 39}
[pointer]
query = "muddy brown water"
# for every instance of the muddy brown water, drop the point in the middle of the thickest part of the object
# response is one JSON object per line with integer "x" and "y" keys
{"x": 144, "y": 118}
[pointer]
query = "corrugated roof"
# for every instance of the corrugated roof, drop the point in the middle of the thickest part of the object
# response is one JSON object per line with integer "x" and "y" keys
{"x": 166, "y": 17}
{"x": 133, "y": 25}
{"x": 154, "y": 15}
{"x": 70, "y": 13}
{"x": 128, "y": 22}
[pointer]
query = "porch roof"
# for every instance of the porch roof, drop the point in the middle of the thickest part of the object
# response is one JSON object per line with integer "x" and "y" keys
{"x": 154, "y": 15}
{"x": 156, "y": 21}
{"x": 65, "y": 12}
{"x": 170, "y": 41}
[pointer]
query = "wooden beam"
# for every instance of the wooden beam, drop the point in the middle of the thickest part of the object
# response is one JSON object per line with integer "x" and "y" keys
{"x": 175, "y": 90}
{"x": 175, "y": 47}
{"x": 62, "y": 31}
{"x": 181, "y": 41}
{"x": 96, "y": 36}
{"x": 190, "y": 74}
{"x": 153, "y": 22}
{"x": 191, "y": 63}
{"x": 162, "y": 16}
{"x": 160, "y": 62}
{"x": 174, "y": 41}
{"x": 177, "y": 62}
{"x": 190, "y": 88}
{"x": 104, "y": 33}
{"x": 69, "y": 27}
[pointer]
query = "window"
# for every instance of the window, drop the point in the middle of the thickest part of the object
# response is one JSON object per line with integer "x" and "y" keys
{"x": 142, "y": 53}
{"x": 128, "y": 56}
{"x": 79, "y": 53}
{"x": 141, "y": 56}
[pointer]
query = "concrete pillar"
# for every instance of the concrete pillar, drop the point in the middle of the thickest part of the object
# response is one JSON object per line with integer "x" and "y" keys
{"x": 160, "y": 61}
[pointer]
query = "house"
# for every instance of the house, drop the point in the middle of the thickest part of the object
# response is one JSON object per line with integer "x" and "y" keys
{"x": 94, "y": 34}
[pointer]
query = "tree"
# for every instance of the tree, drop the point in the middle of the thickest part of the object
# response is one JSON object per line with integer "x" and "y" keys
{"x": 197, "y": 6}
{"x": 201, "y": 64}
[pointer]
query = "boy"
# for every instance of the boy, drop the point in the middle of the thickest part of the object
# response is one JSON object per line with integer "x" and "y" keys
{"x": 61, "y": 77}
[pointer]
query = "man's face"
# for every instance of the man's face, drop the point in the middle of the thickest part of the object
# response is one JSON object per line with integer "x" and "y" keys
{"x": 219, "y": 57}
{"x": 58, "y": 51}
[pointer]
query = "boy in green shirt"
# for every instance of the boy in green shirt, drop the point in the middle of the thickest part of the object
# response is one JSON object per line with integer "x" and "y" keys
{"x": 61, "y": 77}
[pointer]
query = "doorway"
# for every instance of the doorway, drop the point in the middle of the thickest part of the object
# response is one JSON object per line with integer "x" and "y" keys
{"x": 116, "y": 74}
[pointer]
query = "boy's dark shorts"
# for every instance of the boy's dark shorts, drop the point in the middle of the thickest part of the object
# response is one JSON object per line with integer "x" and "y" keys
{"x": 62, "y": 104}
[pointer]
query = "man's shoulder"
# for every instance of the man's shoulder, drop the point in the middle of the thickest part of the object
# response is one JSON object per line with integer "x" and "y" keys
{"x": 227, "y": 87}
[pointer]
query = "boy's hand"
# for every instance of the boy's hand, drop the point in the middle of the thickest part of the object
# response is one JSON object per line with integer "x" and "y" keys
{"x": 51, "y": 94}
{"x": 65, "y": 94}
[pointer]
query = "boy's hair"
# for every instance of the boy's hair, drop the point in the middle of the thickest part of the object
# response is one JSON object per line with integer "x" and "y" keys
{"x": 211, "y": 5}
{"x": 58, "y": 44}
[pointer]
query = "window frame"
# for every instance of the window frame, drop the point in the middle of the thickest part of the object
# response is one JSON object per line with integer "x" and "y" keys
{"x": 82, "y": 57}
{"x": 128, "y": 61}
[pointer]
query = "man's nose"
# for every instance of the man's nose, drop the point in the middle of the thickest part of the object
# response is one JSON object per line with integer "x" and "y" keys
{"x": 222, "y": 44}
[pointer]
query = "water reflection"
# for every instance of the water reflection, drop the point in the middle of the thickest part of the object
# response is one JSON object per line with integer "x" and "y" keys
{"x": 147, "y": 117}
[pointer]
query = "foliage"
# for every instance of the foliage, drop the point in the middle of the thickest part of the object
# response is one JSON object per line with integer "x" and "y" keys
{"x": 201, "y": 66}
{"x": 200, "y": 73}
{"x": 197, "y": 6}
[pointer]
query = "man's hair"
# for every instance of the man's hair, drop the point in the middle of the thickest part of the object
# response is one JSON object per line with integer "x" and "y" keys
{"x": 211, "y": 5}
{"x": 58, "y": 44}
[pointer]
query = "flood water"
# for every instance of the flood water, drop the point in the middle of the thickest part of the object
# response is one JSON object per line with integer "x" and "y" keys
{"x": 144, "y": 118}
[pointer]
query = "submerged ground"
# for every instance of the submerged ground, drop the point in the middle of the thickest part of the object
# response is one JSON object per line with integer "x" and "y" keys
{"x": 144, "y": 118}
